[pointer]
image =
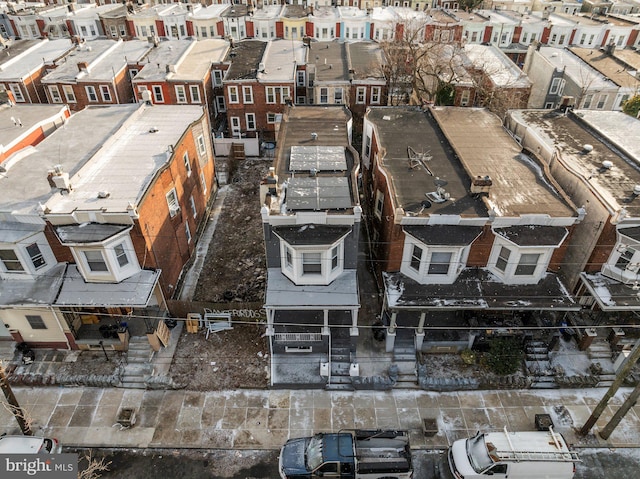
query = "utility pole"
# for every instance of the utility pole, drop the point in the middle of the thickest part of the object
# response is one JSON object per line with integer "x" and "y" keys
{"x": 621, "y": 374}
{"x": 14, "y": 407}
{"x": 620, "y": 413}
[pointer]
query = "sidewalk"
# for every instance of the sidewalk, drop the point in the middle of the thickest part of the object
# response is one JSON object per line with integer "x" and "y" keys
{"x": 265, "y": 419}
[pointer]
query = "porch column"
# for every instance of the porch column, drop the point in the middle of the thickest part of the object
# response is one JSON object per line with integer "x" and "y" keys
{"x": 391, "y": 333}
{"x": 270, "y": 317}
{"x": 353, "y": 331}
{"x": 325, "y": 328}
{"x": 420, "y": 331}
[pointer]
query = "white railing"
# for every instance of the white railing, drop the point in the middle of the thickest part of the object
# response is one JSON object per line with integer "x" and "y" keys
{"x": 297, "y": 337}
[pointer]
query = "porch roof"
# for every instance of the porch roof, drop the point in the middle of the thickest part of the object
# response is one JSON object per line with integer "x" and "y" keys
{"x": 135, "y": 291}
{"x": 282, "y": 293}
{"x": 39, "y": 291}
{"x": 477, "y": 288}
{"x": 611, "y": 295}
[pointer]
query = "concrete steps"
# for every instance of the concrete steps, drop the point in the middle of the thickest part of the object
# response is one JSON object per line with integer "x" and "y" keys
{"x": 340, "y": 379}
{"x": 138, "y": 367}
{"x": 538, "y": 365}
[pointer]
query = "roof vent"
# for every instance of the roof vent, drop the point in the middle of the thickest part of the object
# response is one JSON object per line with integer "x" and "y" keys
{"x": 103, "y": 194}
{"x": 607, "y": 165}
{"x": 636, "y": 190}
{"x": 587, "y": 148}
{"x": 153, "y": 129}
{"x": 314, "y": 136}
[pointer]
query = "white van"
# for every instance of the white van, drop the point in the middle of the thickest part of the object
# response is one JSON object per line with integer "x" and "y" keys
{"x": 29, "y": 445}
{"x": 516, "y": 455}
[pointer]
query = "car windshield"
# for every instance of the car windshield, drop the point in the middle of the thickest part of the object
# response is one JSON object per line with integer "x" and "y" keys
{"x": 478, "y": 455}
{"x": 314, "y": 453}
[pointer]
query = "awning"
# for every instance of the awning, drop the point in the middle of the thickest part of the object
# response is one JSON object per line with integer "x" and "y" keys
{"x": 477, "y": 288}
{"x": 610, "y": 294}
{"x": 135, "y": 291}
{"x": 282, "y": 293}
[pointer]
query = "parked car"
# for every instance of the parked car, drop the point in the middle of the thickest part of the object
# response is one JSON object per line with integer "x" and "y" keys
{"x": 29, "y": 445}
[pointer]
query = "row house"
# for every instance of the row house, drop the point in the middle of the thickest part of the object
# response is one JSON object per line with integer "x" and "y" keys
{"x": 92, "y": 243}
{"x": 311, "y": 221}
{"x": 561, "y": 78}
{"x": 31, "y": 125}
{"x": 95, "y": 73}
{"x": 26, "y": 63}
{"x": 594, "y": 156}
{"x": 499, "y": 84}
{"x": 623, "y": 74}
{"x": 468, "y": 232}
{"x": 179, "y": 72}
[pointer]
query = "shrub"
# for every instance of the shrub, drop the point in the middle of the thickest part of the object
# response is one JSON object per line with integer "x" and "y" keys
{"x": 468, "y": 357}
{"x": 504, "y": 356}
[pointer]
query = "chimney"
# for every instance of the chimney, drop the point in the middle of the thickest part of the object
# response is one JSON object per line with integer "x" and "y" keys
{"x": 481, "y": 184}
{"x": 59, "y": 179}
{"x": 83, "y": 66}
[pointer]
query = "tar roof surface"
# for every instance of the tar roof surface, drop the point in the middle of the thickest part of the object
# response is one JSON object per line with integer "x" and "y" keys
{"x": 569, "y": 137}
{"x": 103, "y": 56}
{"x": 330, "y": 59}
{"x": 245, "y": 58}
{"x": 16, "y": 48}
{"x": 401, "y": 127}
{"x": 21, "y": 65}
{"x": 112, "y": 170}
{"x": 366, "y": 60}
{"x": 485, "y": 148}
{"x": 609, "y": 66}
{"x": 630, "y": 57}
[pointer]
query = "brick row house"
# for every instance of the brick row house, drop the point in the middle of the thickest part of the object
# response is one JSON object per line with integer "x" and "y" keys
{"x": 593, "y": 155}
{"x": 468, "y": 232}
{"x": 93, "y": 242}
{"x": 26, "y": 63}
{"x": 95, "y": 73}
{"x": 179, "y": 72}
{"x": 311, "y": 221}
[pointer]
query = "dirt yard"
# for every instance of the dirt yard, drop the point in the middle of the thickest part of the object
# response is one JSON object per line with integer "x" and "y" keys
{"x": 234, "y": 271}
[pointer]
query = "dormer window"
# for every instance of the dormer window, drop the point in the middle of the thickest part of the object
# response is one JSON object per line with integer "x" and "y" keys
{"x": 624, "y": 262}
{"x": 25, "y": 252}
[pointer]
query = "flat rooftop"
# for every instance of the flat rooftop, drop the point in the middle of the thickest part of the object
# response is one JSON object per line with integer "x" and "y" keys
{"x": 401, "y": 129}
{"x": 19, "y": 65}
{"x": 332, "y": 188}
{"x": 330, "y": 59}
{"x": 569, "y": 134}
{"x": 485, "y": 148}
{"x": 367, "y": 59}
{"x": 610, "y": 66}
{"x": 280, "y": 60}
{"x": 502, "y": 71}
{"x": 245, "y": 58}
{"x": 104, "y": 57}
{"x": 581, "y": 73}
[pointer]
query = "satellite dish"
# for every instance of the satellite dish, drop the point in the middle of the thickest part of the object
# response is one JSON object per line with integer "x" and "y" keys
{"x": 440, "y": 182}
{"x": 417, "y": 208}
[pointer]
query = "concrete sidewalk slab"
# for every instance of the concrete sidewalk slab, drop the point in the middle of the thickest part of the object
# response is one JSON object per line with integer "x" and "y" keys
{"x": 264, "y": 419}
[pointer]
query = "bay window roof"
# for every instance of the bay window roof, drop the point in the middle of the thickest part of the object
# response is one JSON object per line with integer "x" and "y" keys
{"x": 14, "y": 231}
{"x": 88, "y": 232}
{"x": 533, "y": 235}
{"x": 444, "y": 235}
{"x": 633, "y": 232}
{"x": 311, "y": 234}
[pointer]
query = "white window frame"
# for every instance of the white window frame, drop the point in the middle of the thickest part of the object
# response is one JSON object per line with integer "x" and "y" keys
{"x": 271, "y": 118}
{"x": 375, "y": 95}
{"x": 514, "y": 262}
{"x": 378, "y": 208}
{"x": 250, "y": 119}
{"x": 172, "y": 202}
{"x": 105, "y": 93}
{"x": 361, "y": 95}
{"x": 300, "y": 78}
{"x": 116, "y": 253}
{"x": 194, "y": 92}
{"x": 187, "y": 163}
{"x": 218, "y": 75}
{"x": 92, "y": 95}
{"x": 203, "y": 181}
{"x": 69, "y": 93}
{"x": 181, "y": 94}
{"x": 234, "y": 97}
{"x": 465, "y": 97}
{"x": 202, "y": 146}
{"x": 338, "y": 96}
{"x": 247, "y": 94}
{"x": 324, "y": 95}
{"x": 423, "y": 263}
{"x": 221, "y": 103}
{"x": 187, "y": 231}
{"x": 602, "y": 101}
{"x": 12, "y": 263}
{"x": 194, "y": 208}
{"x": 158, "y": 96}
{"x": 325, "y": 263}
{"x": 54, "y": 92}
{"x": 555, "y": 86}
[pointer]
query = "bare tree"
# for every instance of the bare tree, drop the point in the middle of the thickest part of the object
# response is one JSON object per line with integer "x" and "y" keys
{"x": 94, "y": 467}
{"x": 22, "y": 416}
